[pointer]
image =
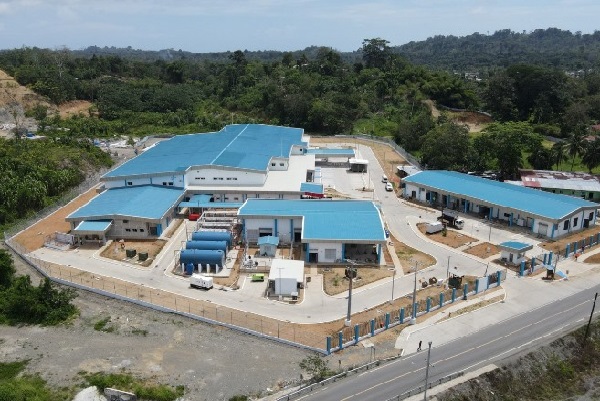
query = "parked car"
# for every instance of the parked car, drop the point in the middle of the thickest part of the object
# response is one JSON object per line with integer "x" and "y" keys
{"x": 389, "y": 186}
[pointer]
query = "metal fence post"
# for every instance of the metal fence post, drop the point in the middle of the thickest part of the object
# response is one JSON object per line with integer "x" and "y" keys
{"x": 401, "y": 315}
{"x": 465, "y": 291}
{"x": 453, "y": 295}
{"x": 441, "y": 299}
{"x": 521, "y": 269}
{"x": 340, "y": 340}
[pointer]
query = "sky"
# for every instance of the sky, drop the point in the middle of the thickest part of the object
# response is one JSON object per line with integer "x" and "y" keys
{"x": 203, "y": 26}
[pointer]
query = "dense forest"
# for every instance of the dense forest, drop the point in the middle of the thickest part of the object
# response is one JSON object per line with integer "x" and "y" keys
{"x": 379, "y": 93}
{"x": 482, "y": 53}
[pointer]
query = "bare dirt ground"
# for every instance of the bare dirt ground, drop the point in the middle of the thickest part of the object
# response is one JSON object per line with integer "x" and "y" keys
{"x": 166, "y": 348}
{"x": 74, "y": 108}
{"x": 453, "y": 238}
{"x": 560, "y": 245}
{"x": 483, "y": 250}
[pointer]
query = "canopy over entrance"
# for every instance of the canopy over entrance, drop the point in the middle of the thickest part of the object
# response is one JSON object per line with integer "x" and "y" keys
{"x": 94, "y": 227}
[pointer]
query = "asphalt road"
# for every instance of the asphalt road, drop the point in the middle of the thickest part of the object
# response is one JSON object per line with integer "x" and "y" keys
{"x": 506, "y": 338}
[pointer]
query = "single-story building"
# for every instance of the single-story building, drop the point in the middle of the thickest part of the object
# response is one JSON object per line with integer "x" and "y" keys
{"x": 574, "y": 183}
{"x": 331, "y": 230}
{"x": 268, "y": 245}
{"x": 286, "y": 277}
{"x": 129, "y": 212}
{"x": 513, "y": 252}
{"x": 545, "y": 214}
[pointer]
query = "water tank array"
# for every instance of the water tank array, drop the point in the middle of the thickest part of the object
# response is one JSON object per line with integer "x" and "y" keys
{"x": 206, "y": 248}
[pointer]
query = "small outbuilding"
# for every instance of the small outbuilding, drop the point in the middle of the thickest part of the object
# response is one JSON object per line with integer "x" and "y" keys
{"x": 513, "y": 252}
{"x": 286, "y": 277}
{"x": 268, "y": 245}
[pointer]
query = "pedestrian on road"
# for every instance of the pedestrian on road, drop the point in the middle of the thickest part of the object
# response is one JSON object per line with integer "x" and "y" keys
{"x": 420, "y": 343}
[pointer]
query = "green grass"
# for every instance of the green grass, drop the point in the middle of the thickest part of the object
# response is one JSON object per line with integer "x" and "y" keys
{"x": 17, "y": 386}
{"x": 142, "y": 389}
{"x": 102, "y": 325}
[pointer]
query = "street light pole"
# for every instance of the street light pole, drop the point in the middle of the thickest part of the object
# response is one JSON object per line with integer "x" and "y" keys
{"x": 393, "y": 283}
{"x": 413, "y": 318}
{"x": 349, "y": 314}
{"x": 427, "y": 372}
{"x": 448, "y": 272}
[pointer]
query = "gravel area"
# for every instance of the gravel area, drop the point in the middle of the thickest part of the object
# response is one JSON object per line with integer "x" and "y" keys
{"x": 212, "y": 363}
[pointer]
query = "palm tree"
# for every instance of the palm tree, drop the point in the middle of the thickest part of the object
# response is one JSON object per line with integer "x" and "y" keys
{"x": 575, "y": 144}
{"x": 558, "y": 153}
{"x": 591, "y": 155}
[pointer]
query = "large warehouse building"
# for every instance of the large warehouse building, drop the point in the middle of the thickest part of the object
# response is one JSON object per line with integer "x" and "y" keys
{"x": 330, "y": 230}
{"x": 225, "y": 168}
{"x": 545, "y": 214}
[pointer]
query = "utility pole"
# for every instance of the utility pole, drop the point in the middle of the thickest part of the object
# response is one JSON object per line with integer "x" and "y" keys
{"x": 350, "y": 273}
{"x": 413, "y": 317}
{"x": 448, "y": 272}
{"x": 587, "y": 329}
{"x": 427, "y": 372}
{"x": 393, "y": 282}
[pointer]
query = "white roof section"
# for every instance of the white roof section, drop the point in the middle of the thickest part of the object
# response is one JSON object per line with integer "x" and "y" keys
{"x": 277, "y": 181}
{"x": 287, "y": 269}
{"x": 408, "y": 169}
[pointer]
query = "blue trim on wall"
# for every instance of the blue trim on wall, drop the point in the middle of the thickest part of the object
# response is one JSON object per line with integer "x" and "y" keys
{"x": 159, "y": 229}
{"x": 291, "y": 230}
{"x": 343, "y": 251}
{"x": 275, "y": 229}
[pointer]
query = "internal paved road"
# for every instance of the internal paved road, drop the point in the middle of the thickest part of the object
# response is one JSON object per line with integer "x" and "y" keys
{"x": 491, "y": 344}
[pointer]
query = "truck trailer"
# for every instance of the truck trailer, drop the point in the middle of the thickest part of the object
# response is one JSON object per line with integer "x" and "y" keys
{"x": 433, "y": 228}
{"x": 200, "y": 281}
{"x": 451, "y": 218}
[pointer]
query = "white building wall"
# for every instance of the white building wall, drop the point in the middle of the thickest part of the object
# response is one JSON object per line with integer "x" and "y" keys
{"x": 212, "y": 176}
{"x": 278, "y": 164}
{"x": 324, "y": 251}
{"x": 415, "y": 192}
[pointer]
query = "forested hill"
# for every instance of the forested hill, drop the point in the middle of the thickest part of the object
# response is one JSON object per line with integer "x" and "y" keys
{"x": 544, "y": 47}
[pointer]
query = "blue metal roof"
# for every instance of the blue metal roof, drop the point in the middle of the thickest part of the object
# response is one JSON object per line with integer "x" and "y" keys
{"x": 332, "y": 152}
{"x": 515, "y": 245}
{"x": 536, "y": 202}
{"x": 93, "y": 226}
{"x": 311, "y": 187}
{"x": 268, "y": 240}
{"x": 332, "y": 219}
{"x": 147, "y": 201}
{"x": 247, "y": 146}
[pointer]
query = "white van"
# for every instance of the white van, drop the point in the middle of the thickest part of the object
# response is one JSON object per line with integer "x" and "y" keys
{"x": 384, "y": 179}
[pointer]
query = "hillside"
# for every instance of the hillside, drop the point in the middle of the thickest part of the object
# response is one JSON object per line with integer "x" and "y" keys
{"x": 550, "y": 47}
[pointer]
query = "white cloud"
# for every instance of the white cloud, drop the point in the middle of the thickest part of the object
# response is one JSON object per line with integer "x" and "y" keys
{"x": 4, "y": 8}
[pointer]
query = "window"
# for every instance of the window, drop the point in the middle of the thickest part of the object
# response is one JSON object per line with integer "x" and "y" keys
{"x": 128, "y": 230}
{"x": 281, "y": 164}
{"x": 236, "y": 198}
{"x": 566, "y": 225}
{"x": 164, "y": 183}
{"x": 134, "y": 230}
{"x": 170, "y": 184}
{"x": 575, "y": 221}
{"x": 591, "y": 216}
{"x": 215, "y": 178}
{"x": 125, "y": 221}
{"x": 272, "y": 164}
{"x": 129, "y": 183}
{"x": 141, "y": 230}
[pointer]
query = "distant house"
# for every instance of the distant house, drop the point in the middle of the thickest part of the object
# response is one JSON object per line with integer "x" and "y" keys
{"x": 579, "y": 184}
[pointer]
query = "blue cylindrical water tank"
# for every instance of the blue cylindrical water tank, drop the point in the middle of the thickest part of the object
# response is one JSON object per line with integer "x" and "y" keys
{"x": 189, "y": 269}
{"x": 215, "y": 245}
{"x": 212, "y": 236}
{"x": 202, "y": 257}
